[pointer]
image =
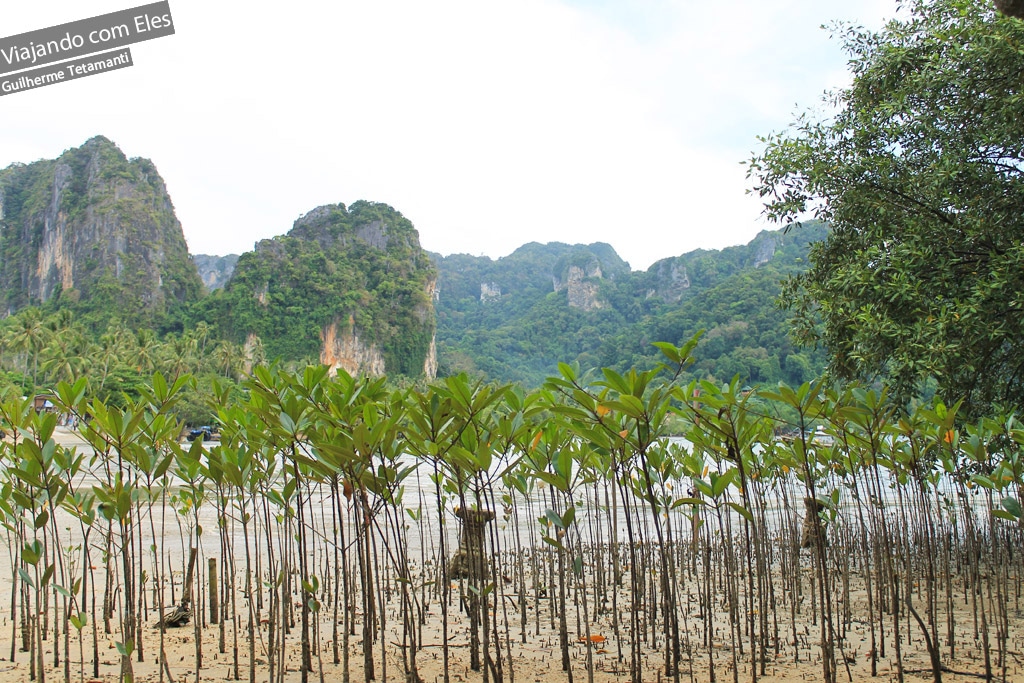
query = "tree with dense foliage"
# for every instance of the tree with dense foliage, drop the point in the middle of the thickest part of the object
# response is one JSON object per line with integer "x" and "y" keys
{"x": 919, "y": 173}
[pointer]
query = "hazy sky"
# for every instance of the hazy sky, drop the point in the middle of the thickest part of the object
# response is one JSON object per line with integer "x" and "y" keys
{"x": 488, "y": 124}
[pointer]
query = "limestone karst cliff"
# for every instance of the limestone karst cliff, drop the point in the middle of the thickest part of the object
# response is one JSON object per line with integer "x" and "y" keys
{"x": 349, "y": 286}
{"x": 518, "y": 316}
{"x": 96, "y": 229}
{"x": 215, "y": 271}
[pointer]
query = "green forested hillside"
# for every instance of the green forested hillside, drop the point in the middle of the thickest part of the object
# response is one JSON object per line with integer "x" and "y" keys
{"x": 509, "y": 318}
{"x": 359, "y": 268}
{"x": 93, "y": 235}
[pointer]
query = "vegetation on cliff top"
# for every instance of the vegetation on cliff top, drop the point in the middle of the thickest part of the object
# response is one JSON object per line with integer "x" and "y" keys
{"x": 360, "y": 268}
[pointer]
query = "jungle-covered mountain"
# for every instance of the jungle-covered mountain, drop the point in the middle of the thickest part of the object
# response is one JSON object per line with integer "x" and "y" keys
{"x": 93, "y": 235}
{"x": 348, "y": 286}
{"x": 96, "y": 233}
{"x": 517, "y": 317}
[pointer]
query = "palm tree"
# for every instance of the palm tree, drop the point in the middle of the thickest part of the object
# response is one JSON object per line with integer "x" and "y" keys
{"x": 30, "y": 337}
{"x": 146, "y": 350}
{"x": 65, "y": 358}
{"x": 199, "y": 335}
{"x": 228, "y": 358}
{"x": 111, "y": 347}
{"x": 180, "y": 355}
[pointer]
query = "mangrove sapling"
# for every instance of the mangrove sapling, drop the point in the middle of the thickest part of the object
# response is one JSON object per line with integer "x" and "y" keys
{"x": 240, "y": 472}
{"x": 287, "y": 415}
{"x": 1011, "y": 477}
{"x": 267, "y": 489}
{"x": 153, "y": 457}
{"x": 731, "y": 430}
{"x": 644, "y": 409}
{"x": 808, "y": 403}
{"x": 229, "y": 592}
{"x": 508, "y": 433}
{"x": 432, "y": 429}
{"x": 976, "y": 450}
{"x": 375, "y": 438}
{"x": 81, "y": 506}
{"x": 498, "y": 584}
{"x": 296, "y": 422}
{"x": 189, "y": 468}
{"x": 516, "y": 487}
{"x": 37, "y": 487}
{"x": 1006, "y": 468}
{"x": 31, "y": 469}
{"x": 567, "y": 466}
{"x": 909, "y": 453}
{"x": 901, "y": 524}
{"x": 719, "y": 495}
{"x": 351, "y": 451}
{"x": 14, "y": 414}
{"x": 854, "y": 463}
{"x": 219, "y": 499}
{"x": 790, "y": 548}
{"x": 775, "y": 484}
{"x": 348, "y": 627}
{"x": 871, "y": 414}
{"x": 420, "y": 516}
{"x": 757, "y": 474}
{"x": 435, "y": 423}
{"x": 115, "y": 433}
{"x": 11, "y": 523}
{"x": 662, "y": 464}
{"x": 62, "y": 582}
{"x": 632, "y": 408}
{"x": 339, "y": 535}
{"x": 860, "y": 435}
{"x": 467, "y": 472}
{"x": 264, "y": 488}
{"x": 633, "y": 540}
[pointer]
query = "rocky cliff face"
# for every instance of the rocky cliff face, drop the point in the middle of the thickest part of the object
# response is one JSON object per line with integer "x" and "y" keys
{"x": 672, "y": 278}
{"x": 580, "y": 273}
{"x": 765, "y": 245}
{"x": 350, "y": 286}
{"x": 215, "y": 271}
{"x": 489, "y": 291}
{"x": 343, "y": 348}
{"x": 93, "y": 227}
{"x": 582, "y": 288}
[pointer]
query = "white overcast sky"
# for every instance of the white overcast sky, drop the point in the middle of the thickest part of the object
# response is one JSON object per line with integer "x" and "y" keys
{"x": 488, "y": 124}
